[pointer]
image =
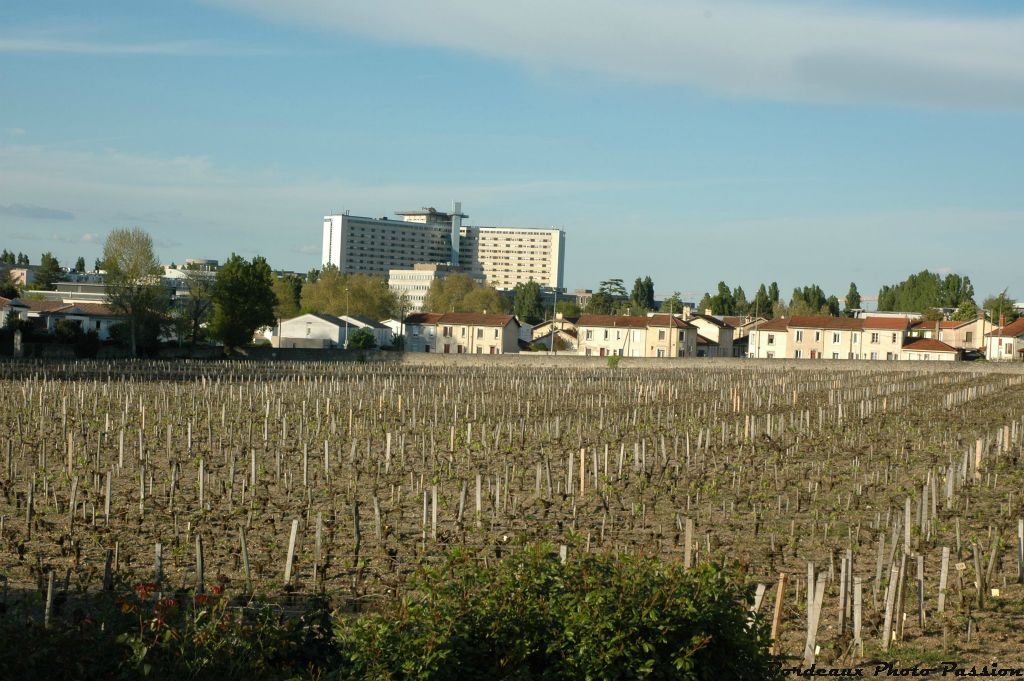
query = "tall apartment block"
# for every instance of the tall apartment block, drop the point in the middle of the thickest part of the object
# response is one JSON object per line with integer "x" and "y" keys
{"x": 502, "y": 256}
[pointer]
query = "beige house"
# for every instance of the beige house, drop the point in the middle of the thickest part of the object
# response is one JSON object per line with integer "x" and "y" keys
{"x": 824, "y": 337}
{"x": 476, "y": 334}
{"x": 656, "y": 335}
{"x": 884, "y": 337}
{"x": 929, "y": 349}
{"x": 1006, "y": 343}
{"x": 717, "y": 332}
{"x": 561, "y": 328}
{"x": 770, "y": 340}
{"x": 963, "y": 335}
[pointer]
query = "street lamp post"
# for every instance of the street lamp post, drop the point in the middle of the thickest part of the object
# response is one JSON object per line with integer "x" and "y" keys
{"x": 346, "y": 317}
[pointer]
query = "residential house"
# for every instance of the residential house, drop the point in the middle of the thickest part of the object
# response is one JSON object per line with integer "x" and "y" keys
{"x": 717, "y": 333}
{"x": 770, "y": 340}
{"x": 966, "y": 335}
{"x": 382, "y": 335}
{"x": 421, "y": 331}
{"x": 476, "y": 334}
{"x": 656, "y": 335}
{"x": 929, "y": 349}
{"x": 1006, "y": 342}
{"x": 561, "y": 327}
{"x": 884, "y": 337}
{"x": 312, "y": 330}
{"x": 813, "y": 337}
{"x": 742, "y": 327}
{"x": 12, "y": 308}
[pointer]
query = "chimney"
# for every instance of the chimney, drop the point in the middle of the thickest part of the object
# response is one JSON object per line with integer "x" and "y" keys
{"x": 708, "y": 311}
{"x": 1002, "y": 320}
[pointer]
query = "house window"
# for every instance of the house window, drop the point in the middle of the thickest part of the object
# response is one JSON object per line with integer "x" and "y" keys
{"x": 771, "y": 339}
{"x": 479, "y": 350}
{"x": 894, "y": 338}
{"x": 606, "y": 334}
{"x": 661, "y": 335}
{"x": 447, "y": 331}
{"x": 1009, "y": 348}
{"x": 495, "y": 333}
{"x": 969, "y": 337}
{"x": 926, "y": 356}
{"x": 799, "y": 336}
{"x": 415, "y": 330}
{"x": 835, "y": 355}
{"x": 817, "y": 336}
{"x": 874, "y": 355}
{"x": 874, "y": 338}
{"x": 855, "y": 337}
{"x": 661, "y": 353}
{"x": 771, "y": 355}
{"x": 590, "y": 334}
{"x": 835, "y": 336}
{"x": 479, "y": 333}
{"x": 618, "y": 335}
{"x": 798, "y": 354}
{"x": 463, "y": 332}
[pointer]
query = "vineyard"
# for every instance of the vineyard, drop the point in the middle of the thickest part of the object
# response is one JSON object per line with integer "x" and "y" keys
{"x": 874, "y": 510}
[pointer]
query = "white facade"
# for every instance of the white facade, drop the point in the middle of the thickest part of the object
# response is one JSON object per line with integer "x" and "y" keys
{"x": 502, "y": 256}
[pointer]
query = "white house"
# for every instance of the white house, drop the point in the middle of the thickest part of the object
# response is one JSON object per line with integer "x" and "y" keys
{"x": 1006, "y": 342}
{"x": 381, "y": 333}
{"x": 12, "y": 307}
{"x": 715, "y": 330}
{"x": 929, "y": 349}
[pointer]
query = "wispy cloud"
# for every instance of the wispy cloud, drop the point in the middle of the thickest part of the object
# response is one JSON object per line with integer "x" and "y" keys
{"x": 778, "y": 49}
{"x": 83, "y": 41}
{"x": 27, "y": 210}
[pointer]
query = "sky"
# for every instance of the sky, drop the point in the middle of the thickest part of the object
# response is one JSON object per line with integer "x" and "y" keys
{"x": 692, "y": 141}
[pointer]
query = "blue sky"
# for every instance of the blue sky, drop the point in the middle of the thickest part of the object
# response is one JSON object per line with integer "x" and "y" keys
{"x": 693, "y": 141}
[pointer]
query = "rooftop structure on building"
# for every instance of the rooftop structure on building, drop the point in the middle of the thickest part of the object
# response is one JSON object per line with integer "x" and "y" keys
{"x": 502, "y": 256}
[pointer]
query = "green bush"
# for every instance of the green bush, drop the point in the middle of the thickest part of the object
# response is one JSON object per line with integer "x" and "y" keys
{"x": 361, "y": 339}
{"x": 531, "y": 617}
{"x": 613, "y": 361}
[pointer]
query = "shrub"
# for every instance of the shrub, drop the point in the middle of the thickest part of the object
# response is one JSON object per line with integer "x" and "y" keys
{"x": 594, "y": 617}
{"x": 361, "y": 339}
{"x": 613, "y": 361}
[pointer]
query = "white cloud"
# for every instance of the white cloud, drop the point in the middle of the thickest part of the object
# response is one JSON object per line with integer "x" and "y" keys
{"x": 787, "y": 50}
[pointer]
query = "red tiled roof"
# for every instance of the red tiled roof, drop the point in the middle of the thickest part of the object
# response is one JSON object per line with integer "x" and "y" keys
{"x": 476, "y": 319}
{"x": 423, "y": 318}
{"x": 889, "y": 323}
{"x": 928, "y": 345}
{"x": 668, "y": 320}
{"x": 943, "y": 324}
{"x": 35, "y": 305}
{"x": 711, "y": 320}
{"x": 780, "y": 324}
{"x": 1010, "y": 330}
{"x": 613, "y": 321}
{"x": 91, "y": 309}
{"x": 822, "y": 322}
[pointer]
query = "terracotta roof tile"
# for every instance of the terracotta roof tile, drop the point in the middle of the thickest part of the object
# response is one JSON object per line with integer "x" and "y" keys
{"x": 822, "y": 322}
{"x": 888, "y": 323}
{"x": 477, "y": 319}
{"x": 1011, "y": 330}
{"x": 423, "y": 318}
{"x": 780, "y": 324}
{"x": 668, "y": 320}
{"x": 928, "y": 345}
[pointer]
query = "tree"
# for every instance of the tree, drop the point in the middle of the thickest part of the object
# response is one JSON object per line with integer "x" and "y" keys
{"x": 1000, "y": 307}
{"x": 340, "y": 294}
{"x": 461, "y": 293}
{"x": 133, "y": 281}
{"x": 833, "y": 306}
{"x": 613, "y": 288}
{"x": 7, "y": 257}
{"x": 195, "y": 309}
{"x": 361, "y": 339}
{"x": 673, "y": 304}
{"x": 80, "y": 265}
{"x": 243, "y": 300}
{"x": 642, "y": 297}
{"x": 811, "y": 300}
{"x": 600, "y": 303}
{"x": 48, "y": 273}
{"x": 967, "y": 311}
{"x": 8, "y": 289}
{"x": 852, "y": 300}
{"x": 288, "y": 291}
{"x": 23, "y": 260}
{"x": 762, "y": 305}
{"x": 924, "y": 290}
{"x": 98, "y": 265}
{"x": 527, "y": 304}
{"x": 773, "y": 293}
{"x": 567, "y": 308}
{"x": 740, "y": 305}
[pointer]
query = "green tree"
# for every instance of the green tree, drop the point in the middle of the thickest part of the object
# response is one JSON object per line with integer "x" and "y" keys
{"x": 740, "y": 305}
{"x": 642, "y": 297}
{"x": 852, "y": 299}
{"x": 601, "y": 303}
{"x": 80, "y": 265}
{"x": 98, "y": 265}
{"x": 133, "y": 281}
{"x": 762, "y": 305}
{"x": 567, "y": 308}
{"x": 23, "y": 260}
{"x": 461, "y": 293}
{"x": 243, "y": 300}
{"x": 773, "y": 293}
{"x": 966, "y": 311}
{"x": 8, "y": 289}
{"x": 924, "y": 290}
{"x": 48, "y": 273}
{"x": 195, "y": 310}
{"x": 833, "y": 306}
{"x": 288, "y": 291}
{"x": 614, "y": 288}
{"x": 340, "y": 294}
{"x": 527, "y": 305}
{"x": 7, "y": 257}
{"x": 361, "y": 339}
{"x": 673, "y": 304}
{"x": 1000, "y": 307}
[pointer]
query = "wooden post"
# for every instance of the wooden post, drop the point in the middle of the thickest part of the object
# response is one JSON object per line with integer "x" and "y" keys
{"x": 291, "y": 552}
{"x": 200, "y": 583}
{"x": 777, "y": 614}
{"x": 48, "y": 612}
{"x": 890, "y": 602}
{"x": 812, "y": 625}
{"x": 943, "y": 577}
{"x": 688, "y": 546}
{"x": 858, "y": 642}
{"x": 245, "y": 559}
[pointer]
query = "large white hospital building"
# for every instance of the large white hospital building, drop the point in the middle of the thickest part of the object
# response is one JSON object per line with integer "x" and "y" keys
{"x": 502, "y": 256}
